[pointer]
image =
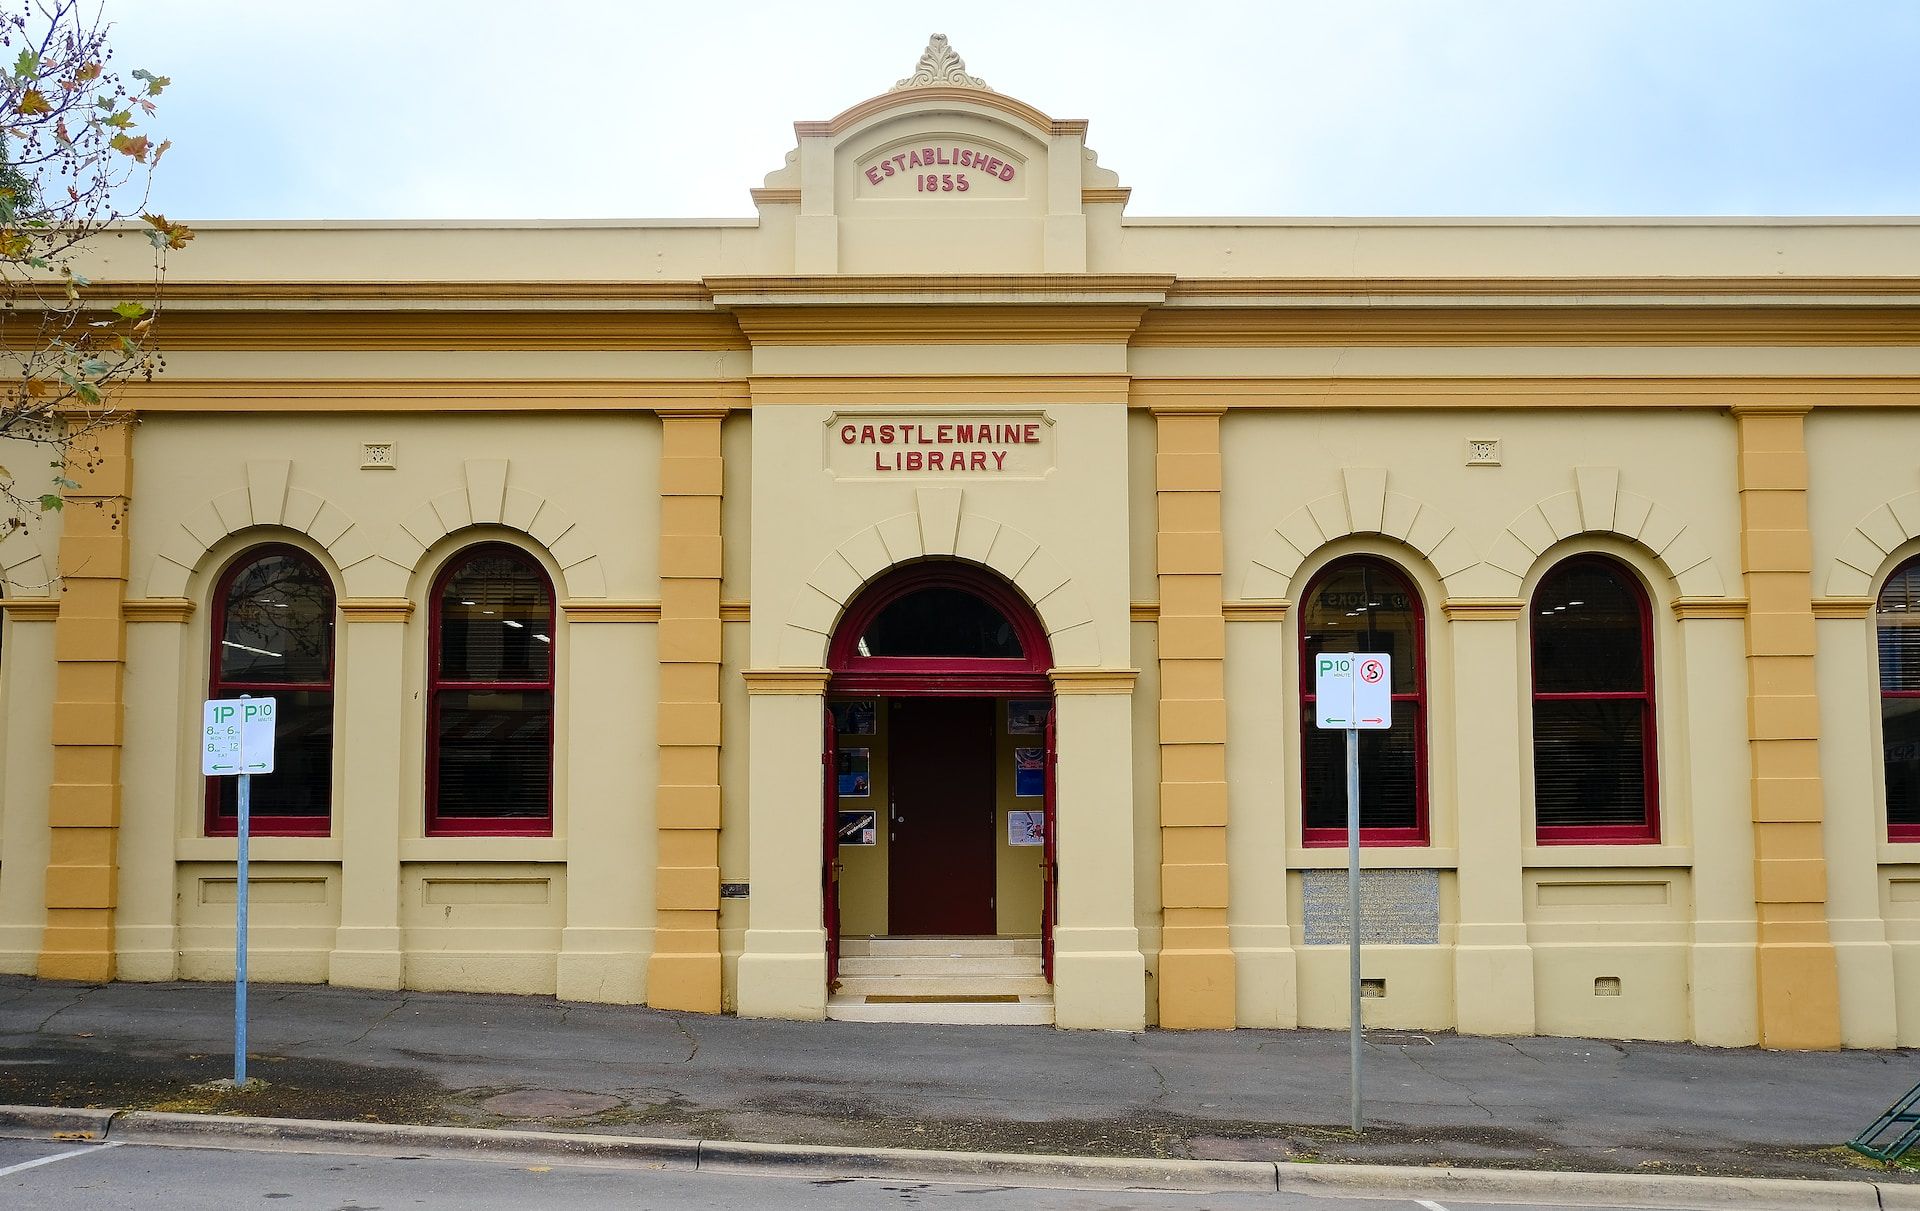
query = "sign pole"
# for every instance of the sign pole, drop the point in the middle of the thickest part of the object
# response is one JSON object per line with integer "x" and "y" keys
{"x": 240, "y": 939}
{"x": 1353, "y": 921}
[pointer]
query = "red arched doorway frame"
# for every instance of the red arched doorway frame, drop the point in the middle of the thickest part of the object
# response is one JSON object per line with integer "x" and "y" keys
{"x": 934, "y": 676}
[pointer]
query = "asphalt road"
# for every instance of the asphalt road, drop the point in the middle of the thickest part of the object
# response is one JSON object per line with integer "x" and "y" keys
{"x": 84, "y": 1177}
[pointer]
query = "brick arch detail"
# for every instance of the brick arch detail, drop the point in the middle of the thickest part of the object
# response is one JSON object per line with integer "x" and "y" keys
{"x": 1866, "y": 551}
{"x": 1362, "y": 507}
{"x": 268, "y": 499}
{"x": 1597, "y": 506}
{"x": 940, "y": 526}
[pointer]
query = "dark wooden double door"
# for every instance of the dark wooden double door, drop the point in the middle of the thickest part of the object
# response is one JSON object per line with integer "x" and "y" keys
{"x": 941, "y": 816}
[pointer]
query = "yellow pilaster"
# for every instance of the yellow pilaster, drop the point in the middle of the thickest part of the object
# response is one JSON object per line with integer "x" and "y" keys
{"x": 684, "y": 972}
{"x": 90, "y": 646}
{"x": 1196, "y": 975}
{"x": 1799, "y": 990}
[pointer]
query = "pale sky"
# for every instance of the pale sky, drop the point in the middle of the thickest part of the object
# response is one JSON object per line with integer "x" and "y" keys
{"x": 597, "y": 109}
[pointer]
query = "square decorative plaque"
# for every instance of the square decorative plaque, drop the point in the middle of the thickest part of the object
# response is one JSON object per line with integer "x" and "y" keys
{"x": 1397, "y": 907}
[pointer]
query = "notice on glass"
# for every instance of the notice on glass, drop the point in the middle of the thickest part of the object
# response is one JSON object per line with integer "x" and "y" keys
{"x": 1027, "y": 716}
{"x": 858, "y": 828}
{"x": 855, "y": 773}
{"x": 1026, "y": 828}
{"x": 1030, "y": 772}
{"x": 853, "y": 717}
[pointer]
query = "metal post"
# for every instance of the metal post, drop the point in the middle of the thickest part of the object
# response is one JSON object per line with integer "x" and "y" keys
{"x": 240, "y": 942}
{"x": 1353, "y": 918}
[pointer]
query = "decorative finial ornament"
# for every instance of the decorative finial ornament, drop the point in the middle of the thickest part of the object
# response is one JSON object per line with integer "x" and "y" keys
{"x": 940, "y": 65}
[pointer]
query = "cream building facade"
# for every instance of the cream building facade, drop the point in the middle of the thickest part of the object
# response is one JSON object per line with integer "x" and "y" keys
{"x": 1159, "y": 460}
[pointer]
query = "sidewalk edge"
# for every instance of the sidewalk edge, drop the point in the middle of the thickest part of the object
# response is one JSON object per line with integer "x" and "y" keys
{"x": 1032, "y": 1169}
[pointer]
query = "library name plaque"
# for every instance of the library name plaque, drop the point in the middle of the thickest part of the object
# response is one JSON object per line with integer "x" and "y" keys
{"x": 1397, "y": 907}
{"x": 939, "y": 445}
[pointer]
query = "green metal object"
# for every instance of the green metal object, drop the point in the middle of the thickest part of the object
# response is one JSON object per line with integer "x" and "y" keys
{"x": 1901, "y": 1114}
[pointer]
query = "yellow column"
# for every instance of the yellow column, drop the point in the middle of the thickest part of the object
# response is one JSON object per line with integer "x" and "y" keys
{"x": 684, "y": 972}
{"x": 90, "y": 646}
{"x": 1196, "y": 958}
{"x": 1798, "y": 983}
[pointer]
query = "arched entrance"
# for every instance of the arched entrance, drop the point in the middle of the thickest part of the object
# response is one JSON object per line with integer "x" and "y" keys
{"x": 939, "y": 765}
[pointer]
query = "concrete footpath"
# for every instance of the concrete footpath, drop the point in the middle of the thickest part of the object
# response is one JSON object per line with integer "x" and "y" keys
{"x": 533, "y": 1064}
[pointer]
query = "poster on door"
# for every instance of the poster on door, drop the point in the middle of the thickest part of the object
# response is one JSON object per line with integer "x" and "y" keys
{"x": 1026, "y": 828}
{"x": 855, "y": 773}
{"x": 858, "y": 827}
{"x": 1030, "y": 772}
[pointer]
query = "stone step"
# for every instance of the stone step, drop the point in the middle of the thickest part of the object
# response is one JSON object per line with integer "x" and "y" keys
{"x": 938, "y": 946}
{"x": 1035, "y": 1012}
{"x": 898, "y": 985}
{"x": 940, "y": 965}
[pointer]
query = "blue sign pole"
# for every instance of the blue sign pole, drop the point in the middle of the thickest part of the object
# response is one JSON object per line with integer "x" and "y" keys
{"x": 240, "y": 942}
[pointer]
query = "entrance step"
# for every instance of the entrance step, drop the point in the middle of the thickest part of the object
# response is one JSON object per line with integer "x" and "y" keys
{"x": 1035, "y": 1012}
{"x": 950, "y": 981}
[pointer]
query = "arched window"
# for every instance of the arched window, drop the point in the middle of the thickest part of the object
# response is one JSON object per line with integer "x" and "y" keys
{"x": 1363, "y": 604}
{"x": 1593, "y": 718}
{"x": 490, "y": 696}
{"x": 940, "y": 627}
{"x": 273, "y": 638}
{"x": 1898, "y": 617}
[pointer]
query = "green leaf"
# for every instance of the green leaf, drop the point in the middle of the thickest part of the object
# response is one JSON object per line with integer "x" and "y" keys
{"x": 120, "y": 120}
{"x": 129, "y": 311}
{"x": 95, "y": 367}
{"x": 61, "y": 481}
{"x": 87, "y": 392}
{"x": 155, "y": 84}
{"x": 50, "y": 503}
{"x": 26, "y": 64}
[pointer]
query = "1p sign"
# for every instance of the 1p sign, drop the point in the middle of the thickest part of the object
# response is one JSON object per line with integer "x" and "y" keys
{"x": 237, "y": 736}
{"x": 1353, "y": 690}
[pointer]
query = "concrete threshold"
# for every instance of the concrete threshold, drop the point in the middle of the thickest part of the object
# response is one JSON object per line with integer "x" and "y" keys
{"x": 1022, "y": 1169}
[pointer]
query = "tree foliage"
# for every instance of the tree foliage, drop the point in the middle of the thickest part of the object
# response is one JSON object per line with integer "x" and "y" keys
{"x": 76, "y": 168}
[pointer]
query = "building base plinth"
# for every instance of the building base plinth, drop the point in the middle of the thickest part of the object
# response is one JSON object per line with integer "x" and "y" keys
{"x": 1493, "y": 990}
{"x": 783, "y": 974}
{"x": 366, "y": 958}
{"x": 1196, "y": 989}
{"x": 1103, "y": 989}
{"x": 686, "y": 982}
{"x": 1799, "y": 996}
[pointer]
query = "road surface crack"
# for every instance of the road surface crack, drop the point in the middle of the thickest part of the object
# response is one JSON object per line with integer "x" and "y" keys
{"x": 379, "y": 1021}
{"x": 1464, "y": 1090}
{"x": 692, "y": 1039}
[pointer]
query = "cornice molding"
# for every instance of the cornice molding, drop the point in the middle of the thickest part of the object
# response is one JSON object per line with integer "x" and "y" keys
{"x": 157, "y": 609}
{"x": 1483, "y": 609}
{"x": 31, "y": 609}
{"x": 966, "y": 390}
{"x": 1685, "y": 608}
{"x": 496, "y": 290}
{"x": 1093, "y": 681}
{"x": 1747, "y": 393}
{"x": 441, "y": 329}
{"x": 1096, "y": 196}
{"x": 739, "y": 610}
{"x": 1533, "y": 287}
{"x": 942, "y": 324}
{"x": 937, "y": 97}
{"x": 174, "y": 394}
{"x": 1843, "y": 607}
{"x": 767, "y": 196}
{"x": 1143, "y": 611}
{"x": 1529, "y": 324}
{"x": 786, "y": 682}
{"x": 923, "y": 288}
{"x": 1274, "y": 610}
{"x": 611, "y": 611}
{"x": 375, "y": 609}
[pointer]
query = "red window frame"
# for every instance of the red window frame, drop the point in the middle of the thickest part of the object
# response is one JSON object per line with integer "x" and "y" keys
{"x": 1901, "y": 831}
{"x": 1320, "y": 838}
{"x": 1648, "y": 831}
{"x": 940, "y": 676}
{"x": 259, "y": 823}
{"x": 465, "y": 826}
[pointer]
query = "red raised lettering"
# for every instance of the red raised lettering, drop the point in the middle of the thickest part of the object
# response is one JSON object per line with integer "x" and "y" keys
{"x": 1032, "y": 434}
{"x": 946, "y": 434}
{"x": 993, "y": 165}
{"x": 999, "y": 460}
{"x": 886, "y": 435}
{"x": 926, "y": 157}
{"x": 978, "y": 460}
{"x": 1006, "y": 172}
{"x": 936, "y": 461}
{"x": 946, "y": 182}
{"x": 846, "y": 435}
{"x": 886, "y": 166}
{"x": 960, "y": 181}
{"x": 963, "y": 434}
{"x": 964, "y": 157}
{"x": 915, "y": 460}
{"x": 943, "y": 156}
{"x": 901, "y": 160}
{"x": 873, "y": 174}
{"x": 866, "y": 435}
